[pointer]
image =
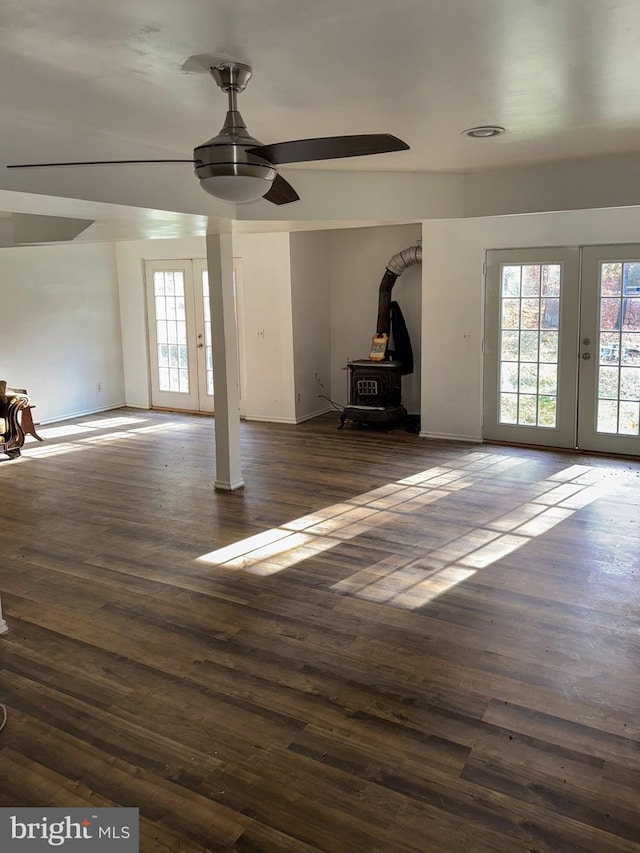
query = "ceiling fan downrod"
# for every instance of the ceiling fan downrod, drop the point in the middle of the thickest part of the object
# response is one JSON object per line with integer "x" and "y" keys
{"x": 232, "y": 77}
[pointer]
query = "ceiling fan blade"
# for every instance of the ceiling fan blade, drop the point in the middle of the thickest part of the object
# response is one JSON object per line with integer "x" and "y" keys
{"x": 281, "y": 192}
{"x": 91, "y": 163}
{"x": 329, "y": 148}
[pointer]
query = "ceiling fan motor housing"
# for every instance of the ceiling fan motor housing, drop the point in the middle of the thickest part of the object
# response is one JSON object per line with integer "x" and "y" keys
{"x": 226, "y": 157}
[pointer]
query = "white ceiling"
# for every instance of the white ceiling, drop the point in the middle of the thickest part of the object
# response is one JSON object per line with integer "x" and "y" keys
{"x": 89, "y": 79}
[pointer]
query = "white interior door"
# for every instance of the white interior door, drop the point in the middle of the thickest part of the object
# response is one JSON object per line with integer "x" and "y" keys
{"x": 562, "y": 348}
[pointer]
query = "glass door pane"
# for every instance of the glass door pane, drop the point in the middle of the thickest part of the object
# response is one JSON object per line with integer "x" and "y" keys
{"x": 208, "y": 346}
{"x": 171, "y": 331}
{"x": 529, "y": 331}
{"x": 204, "y": 349}
{"x": 609, "y": 403}
{"x": 530, "y": 343}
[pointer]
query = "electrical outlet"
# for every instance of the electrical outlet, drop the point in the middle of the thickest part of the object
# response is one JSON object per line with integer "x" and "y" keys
{"x": 298, "y": 397}
{"x": 99, "y": 386}
{"x": 260, "y": 334}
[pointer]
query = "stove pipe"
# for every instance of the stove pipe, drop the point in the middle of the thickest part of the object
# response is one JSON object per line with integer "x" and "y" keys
{"x": 395, "y": 267}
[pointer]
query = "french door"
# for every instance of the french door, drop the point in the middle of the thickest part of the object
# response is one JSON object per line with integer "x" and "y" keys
{"x": 179, "y": 336}
{"x": 562, "y": 348}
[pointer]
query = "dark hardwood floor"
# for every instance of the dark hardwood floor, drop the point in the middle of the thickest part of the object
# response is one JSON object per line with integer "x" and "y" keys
{"x": 381, "y": 644}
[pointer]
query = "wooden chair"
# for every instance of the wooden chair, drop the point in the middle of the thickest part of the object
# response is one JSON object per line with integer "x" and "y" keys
{"x": 16, "y": 420}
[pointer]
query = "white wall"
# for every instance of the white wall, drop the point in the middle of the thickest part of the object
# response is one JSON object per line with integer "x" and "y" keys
{"x": 266, "y": 300}
{"x": 585, "y": 183}
{"x": 130, "y": 257}
{"x": 61, "y": 327}
{"x": 359, "y": 257}
{"x": 453, "y": 293}
{"x": 266, "y": 297}
{"x": 311, "y": 309}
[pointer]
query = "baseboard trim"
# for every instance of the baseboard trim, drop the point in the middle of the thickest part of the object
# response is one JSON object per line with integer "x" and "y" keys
{"x": 291, "y": 421}
{"x": 81, "y": 414}
{"x": 259, "y": 419}
{"x": 315, "y": 415}
{"x": 441, "y": 436}
{"x": 228, "y": 487}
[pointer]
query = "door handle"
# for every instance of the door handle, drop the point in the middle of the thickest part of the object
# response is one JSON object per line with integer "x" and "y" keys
{"x": 199, "y": 346}
{"x": 586, "y": 356}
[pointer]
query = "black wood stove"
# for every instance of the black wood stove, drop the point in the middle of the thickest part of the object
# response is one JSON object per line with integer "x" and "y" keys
{"x": 375, "y": 383}
{"x": 375, "y": 393}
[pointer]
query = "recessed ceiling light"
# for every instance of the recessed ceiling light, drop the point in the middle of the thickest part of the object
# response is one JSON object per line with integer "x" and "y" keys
{"x": 484, "y": 132}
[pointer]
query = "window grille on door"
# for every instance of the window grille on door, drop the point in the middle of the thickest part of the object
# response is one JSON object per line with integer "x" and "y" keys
{"x": 618, "y": 405}
{"x": 529, "y": 331}
{"x": 171, "y": 332}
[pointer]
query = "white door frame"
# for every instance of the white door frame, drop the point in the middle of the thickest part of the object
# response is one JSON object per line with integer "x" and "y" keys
{"x": 564, "y": 432}
{"x": 162, "y": 398}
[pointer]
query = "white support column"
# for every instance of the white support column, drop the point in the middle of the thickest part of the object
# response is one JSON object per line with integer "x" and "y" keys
{"x": 3, "y": 625}
{"x": 225, "y": 362}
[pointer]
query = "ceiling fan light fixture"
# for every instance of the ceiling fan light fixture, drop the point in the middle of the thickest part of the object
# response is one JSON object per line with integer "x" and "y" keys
{"x": 236, "y": 182}
{"x": 485, "y": 131}
{"x": 236, "y": 188}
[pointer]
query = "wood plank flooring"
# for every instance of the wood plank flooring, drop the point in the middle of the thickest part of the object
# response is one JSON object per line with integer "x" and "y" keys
{"x": 381, "y": 645}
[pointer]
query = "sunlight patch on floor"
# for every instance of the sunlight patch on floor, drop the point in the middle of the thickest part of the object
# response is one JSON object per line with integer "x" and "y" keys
{"x": 270, "y": 563}
{"x": 59, "y": 432}
{"x": 159, "y": 428}
{"x": 43, "y": 451}
{"x": 104, "y": 439}
{"x": 116, "y": 421}
{"x": 412, "y": 583}
{"x": 278, "y": 548}
{"x": 245, "y": 546}
{"x": 83, "y": 436}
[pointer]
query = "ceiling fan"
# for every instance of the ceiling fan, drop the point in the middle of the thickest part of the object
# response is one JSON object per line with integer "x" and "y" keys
{"x": 234, "y": 166}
